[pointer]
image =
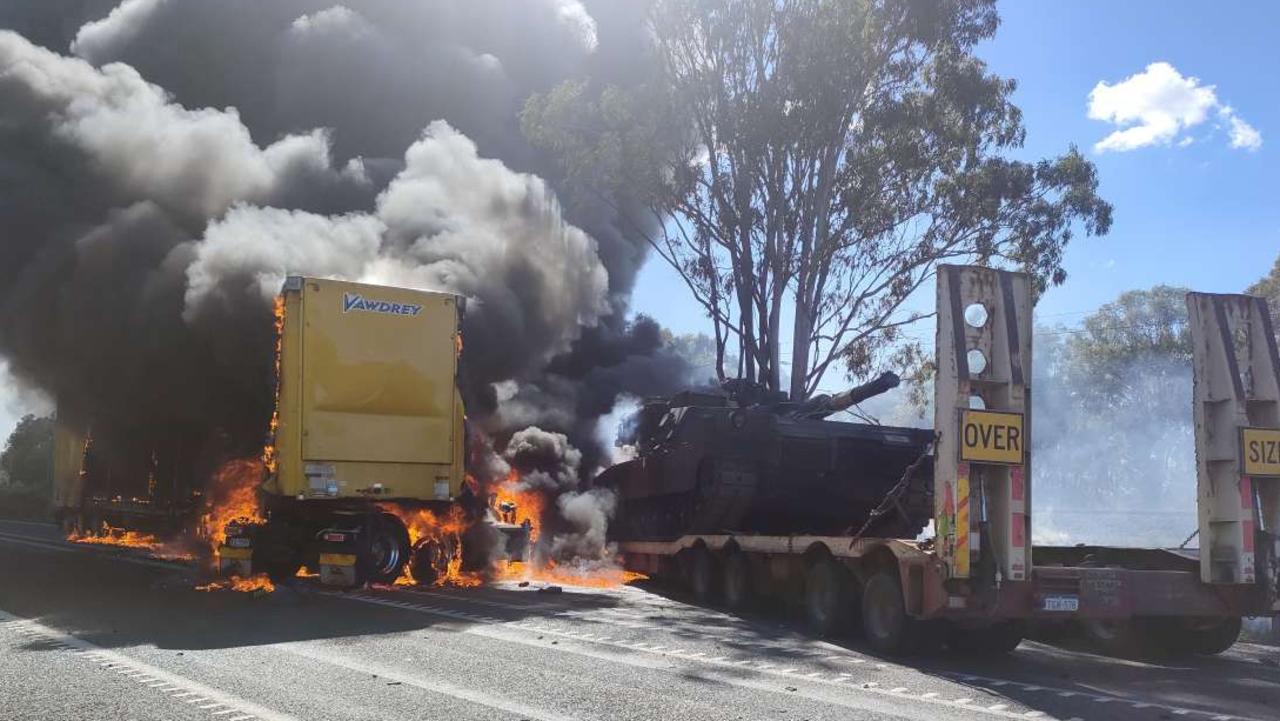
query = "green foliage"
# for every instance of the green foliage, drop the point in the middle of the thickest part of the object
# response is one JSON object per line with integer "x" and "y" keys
{"x": 28, "y": 455}
{"x": 1269, "y": 287}
{"x": 823, "y": 155}
{"x": 1146, "y": 328}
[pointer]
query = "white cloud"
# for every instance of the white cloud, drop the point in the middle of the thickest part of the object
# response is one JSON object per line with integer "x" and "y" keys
{"x": 1157, "y": 105}
{"x": 1243, "y": 135}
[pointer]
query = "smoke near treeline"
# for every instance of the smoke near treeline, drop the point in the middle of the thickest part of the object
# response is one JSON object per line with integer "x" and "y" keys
{"x": 165, "y": 163}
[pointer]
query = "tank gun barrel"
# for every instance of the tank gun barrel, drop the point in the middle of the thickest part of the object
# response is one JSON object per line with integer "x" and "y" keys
{"x": 822, "y": 406}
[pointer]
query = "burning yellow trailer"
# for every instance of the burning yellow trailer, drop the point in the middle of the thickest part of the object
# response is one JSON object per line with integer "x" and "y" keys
{"x": 365, "y": 466}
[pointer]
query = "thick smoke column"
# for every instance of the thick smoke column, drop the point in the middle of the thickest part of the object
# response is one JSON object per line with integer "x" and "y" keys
{"x": 168, "y": 162}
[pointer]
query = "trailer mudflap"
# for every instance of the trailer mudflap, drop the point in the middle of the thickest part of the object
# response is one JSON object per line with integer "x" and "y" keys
{"x": 235, "y": 561}
{"x": 338, "y": 569}
{"x": 338, "y": 558}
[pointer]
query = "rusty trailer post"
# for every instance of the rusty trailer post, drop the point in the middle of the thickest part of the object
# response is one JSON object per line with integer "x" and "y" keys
{"x": 1237, "y": 431}
{"x": 982, "y": 417}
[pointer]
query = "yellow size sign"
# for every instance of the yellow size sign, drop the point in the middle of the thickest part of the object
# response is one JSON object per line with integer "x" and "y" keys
{"x": 991, "y": 437}
{"x": 1260, "y": 449}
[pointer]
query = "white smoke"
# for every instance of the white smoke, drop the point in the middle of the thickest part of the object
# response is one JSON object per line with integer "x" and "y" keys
{"x": 450, "y": 221}
{"x": 589, "y": 514}
{"x": 1119, "y": 470}
{"x": 123, "y": 25}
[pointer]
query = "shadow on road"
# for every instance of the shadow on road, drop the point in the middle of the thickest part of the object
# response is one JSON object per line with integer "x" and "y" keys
{"x": 1244, "y": 681}
{"x": 114, "y": 604}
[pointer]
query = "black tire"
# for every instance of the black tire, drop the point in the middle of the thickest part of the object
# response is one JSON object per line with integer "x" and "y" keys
{"x": 430, "y": 559}
{"x": 1211, "y": 639}
{"x": 1195, "y": 636}
{"x": 995, "y": 639}
{"x": 704, "y": 579}
{"x": 827, "y": 597}
{"x": 1120, "y": 637}
{"x": 385, "y": 550}
{"x": 737, "y": 581}
{"x": 885, "y": 622}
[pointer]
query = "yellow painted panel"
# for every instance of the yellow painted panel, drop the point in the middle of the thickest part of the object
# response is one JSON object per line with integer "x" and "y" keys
{"x": 377, "y": 373}
{"x": 68, "y": 457}
{"x": 368, "y": 399}
{"x": 961, "y": 561}
{"x": 1260, "y": 451}
{"x": 337, "y": 559}
{"x": 991, "y": 437}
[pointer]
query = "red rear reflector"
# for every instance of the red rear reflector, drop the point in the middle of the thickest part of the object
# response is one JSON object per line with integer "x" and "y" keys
{"x": 335, "y": 537}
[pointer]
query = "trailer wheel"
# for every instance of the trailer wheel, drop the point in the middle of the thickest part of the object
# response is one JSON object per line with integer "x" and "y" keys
{"x": 995, "y": 639}
{"x": 430, "y": 561}
{"x": 827, "y": 597}
{"x": 1120, "y": 637}
{"x": 885, "y": 622}
{"x": 1204, "y": 636}
{"x": 737, "y": 581}
{"x": 386, "y": 550}
{"x": 703, "y": 581}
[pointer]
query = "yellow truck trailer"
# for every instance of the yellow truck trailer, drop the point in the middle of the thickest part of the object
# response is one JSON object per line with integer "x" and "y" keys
{"x": 369, "y": 420}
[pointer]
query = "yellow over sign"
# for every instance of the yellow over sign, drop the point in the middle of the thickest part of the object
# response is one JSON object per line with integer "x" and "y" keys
{"x": 1260, "y": 449}
{"x": 991, "y": 437}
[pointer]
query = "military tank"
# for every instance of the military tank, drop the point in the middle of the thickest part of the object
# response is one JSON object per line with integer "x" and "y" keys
{"x": 744, "y": 460}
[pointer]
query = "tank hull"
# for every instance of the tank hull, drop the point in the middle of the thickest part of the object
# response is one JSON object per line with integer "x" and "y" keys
{"x": 731, "y": 470}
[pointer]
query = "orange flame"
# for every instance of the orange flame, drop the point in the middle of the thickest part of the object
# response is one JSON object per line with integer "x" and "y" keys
{"x": 116, "y": 537}
{"x": 270, "y": 461}
{"x": 425, "y": 526}
{"x": 602, "y": 575}
{"x": 256, "y": 582}
{"x": 121, "y": 538}
{"x": 528, "y": 504}
{"x": 233, "y": 497}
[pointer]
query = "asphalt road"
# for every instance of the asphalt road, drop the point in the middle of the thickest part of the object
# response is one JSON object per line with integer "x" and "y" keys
{"x": 94, "y": 633}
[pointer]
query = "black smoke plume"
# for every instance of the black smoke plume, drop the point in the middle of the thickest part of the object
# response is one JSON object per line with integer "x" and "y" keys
{"x": 165, "y": 163}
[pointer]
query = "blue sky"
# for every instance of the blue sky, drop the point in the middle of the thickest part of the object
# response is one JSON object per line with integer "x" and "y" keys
{"x": 1203, "y": 215}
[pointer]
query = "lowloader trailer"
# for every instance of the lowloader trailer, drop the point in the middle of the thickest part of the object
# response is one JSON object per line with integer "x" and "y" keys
{"x": 978, "y": 583}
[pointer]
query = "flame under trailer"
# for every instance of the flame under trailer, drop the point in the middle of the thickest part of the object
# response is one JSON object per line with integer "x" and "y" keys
{"x": 743, "y": 499}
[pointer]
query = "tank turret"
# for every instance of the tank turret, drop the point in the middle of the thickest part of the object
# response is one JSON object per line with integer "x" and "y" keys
{"x": 820, "y": 407}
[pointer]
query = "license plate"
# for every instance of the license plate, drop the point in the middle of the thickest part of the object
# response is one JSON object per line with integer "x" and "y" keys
{"x": 238, "y": 542}
{"x": 1060, "y": 603}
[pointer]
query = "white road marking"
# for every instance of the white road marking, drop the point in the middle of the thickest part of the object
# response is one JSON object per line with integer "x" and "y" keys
{"x": 431, "y": 685}
{"x": 135, "y": 667}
